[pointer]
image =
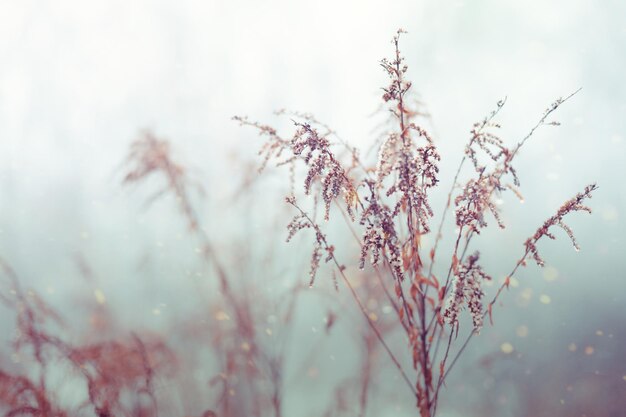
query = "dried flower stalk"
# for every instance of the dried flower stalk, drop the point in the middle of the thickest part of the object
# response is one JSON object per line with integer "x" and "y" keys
{"x": 392, "y": 196}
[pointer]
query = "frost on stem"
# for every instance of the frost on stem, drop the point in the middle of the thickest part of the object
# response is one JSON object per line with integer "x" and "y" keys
{"x": 467, "y": 288}
{"x": 571, "y": 205}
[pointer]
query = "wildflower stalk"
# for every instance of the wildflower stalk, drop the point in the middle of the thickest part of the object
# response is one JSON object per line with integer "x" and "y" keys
{"x": 377, "y": 271}
{"x": 439, "y": 235}
{"x": 353, "y": 293}
{"x": 572, "y": 205}
{"x": 499, "y": 173}
{"x": 395, "y": 214}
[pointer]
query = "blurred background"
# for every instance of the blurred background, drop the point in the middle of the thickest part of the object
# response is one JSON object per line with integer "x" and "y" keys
{"x": 79, "y": 81}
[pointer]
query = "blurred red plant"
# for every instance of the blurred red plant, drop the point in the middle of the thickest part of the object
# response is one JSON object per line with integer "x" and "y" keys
{"x": 250, "y": 380}
{"x": 117, "y": 375}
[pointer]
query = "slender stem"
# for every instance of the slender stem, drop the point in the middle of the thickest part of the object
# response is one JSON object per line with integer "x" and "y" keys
{"x": 356, "y": 299}
{"x": 376, "y": 269}
{"x": 412, "y": 233}
{"x": 442, "y": 376}
{"x": 493, "y": 301}
{"x": 438, "y": 237}
{"x": 508, "y": 161}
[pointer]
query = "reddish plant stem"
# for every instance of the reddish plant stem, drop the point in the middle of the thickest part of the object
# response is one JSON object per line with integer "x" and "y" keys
{"x": 376, "y": 269}
{"x": 356, "y": 298}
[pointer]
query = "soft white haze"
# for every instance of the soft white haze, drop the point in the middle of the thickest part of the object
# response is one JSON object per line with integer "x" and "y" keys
{"x": 80, "y": 79}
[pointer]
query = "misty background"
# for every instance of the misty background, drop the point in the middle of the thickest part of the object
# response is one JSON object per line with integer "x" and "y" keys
{"x": 80, "y": 80}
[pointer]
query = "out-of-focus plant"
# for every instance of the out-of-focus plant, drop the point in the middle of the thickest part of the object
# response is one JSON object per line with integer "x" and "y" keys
{"x": 250, "y": 378}
{"x": 116, "y": 375}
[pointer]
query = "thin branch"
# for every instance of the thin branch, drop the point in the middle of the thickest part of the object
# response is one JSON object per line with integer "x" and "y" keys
{"x": 356, "y": 298}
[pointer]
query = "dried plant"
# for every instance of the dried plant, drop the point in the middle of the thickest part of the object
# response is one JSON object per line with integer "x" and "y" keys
{"x": 250, "y": 378}
{"x": 400, "y": 290}
{"x": 387, "y": 203}
{"x": 117, "y": 375}
{"x": 122, "y": 375}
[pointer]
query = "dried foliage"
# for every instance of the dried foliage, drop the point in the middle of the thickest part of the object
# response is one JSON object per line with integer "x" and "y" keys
{"x": 117, "y": 375}
{"x": 125, "y": 375}
{"x": 387, "y": 203}
{"x": 572, "y": 205}
{"x": 250, "y": 378}
{"x": 467, "y": 289}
